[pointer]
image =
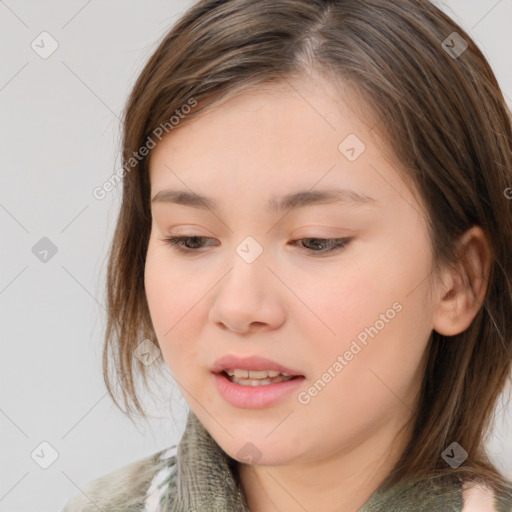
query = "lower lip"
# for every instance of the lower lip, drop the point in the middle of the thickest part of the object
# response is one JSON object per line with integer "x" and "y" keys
{"x": 254, "y": 397}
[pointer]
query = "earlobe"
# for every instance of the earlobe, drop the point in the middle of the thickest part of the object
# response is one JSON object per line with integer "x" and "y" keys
{"x": 462, "y": 290}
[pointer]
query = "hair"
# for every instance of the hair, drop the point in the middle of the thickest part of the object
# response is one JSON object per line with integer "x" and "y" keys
{"x": 448, "y": 125}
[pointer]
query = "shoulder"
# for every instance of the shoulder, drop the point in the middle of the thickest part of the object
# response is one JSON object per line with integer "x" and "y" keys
{"x": 477, "y": 498}
{"x": 135, "y": 486}
{"x": 480, "y": 498}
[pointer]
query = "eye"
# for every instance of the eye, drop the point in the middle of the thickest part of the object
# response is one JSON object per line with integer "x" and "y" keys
{"x": 183, "y": 244}
{"x": 331, "y": 244}
{"x": 180, "y": 243}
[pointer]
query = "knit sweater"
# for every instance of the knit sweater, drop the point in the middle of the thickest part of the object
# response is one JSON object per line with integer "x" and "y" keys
{"x": 198, "y": 476}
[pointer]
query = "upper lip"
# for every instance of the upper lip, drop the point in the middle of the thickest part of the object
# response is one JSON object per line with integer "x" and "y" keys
{"x": 232, "y": 362}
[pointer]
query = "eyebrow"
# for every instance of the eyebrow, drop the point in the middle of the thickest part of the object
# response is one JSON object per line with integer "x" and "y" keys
{"x": 275, "y": 205}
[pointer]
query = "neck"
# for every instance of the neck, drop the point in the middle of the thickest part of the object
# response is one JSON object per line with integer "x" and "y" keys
{"x": 343, "y": 481}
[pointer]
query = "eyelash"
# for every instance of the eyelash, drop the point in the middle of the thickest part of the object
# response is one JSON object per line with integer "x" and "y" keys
{"x": 176, "y": 242}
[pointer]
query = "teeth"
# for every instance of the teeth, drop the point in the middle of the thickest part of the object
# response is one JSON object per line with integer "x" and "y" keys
{"x": 259, "y": 382}
{"x": 254, "y": 374}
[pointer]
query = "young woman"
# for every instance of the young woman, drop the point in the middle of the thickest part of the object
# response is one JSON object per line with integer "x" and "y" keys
{"x": 315, "y": 231}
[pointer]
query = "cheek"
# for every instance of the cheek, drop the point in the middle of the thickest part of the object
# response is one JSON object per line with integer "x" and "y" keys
{"x": 161, "y": 286}
{"x": 381, "y": 355}
{"x": 379, "y": 309}
{"x": 350, "y": 300}
{"x": 173, "y": 301}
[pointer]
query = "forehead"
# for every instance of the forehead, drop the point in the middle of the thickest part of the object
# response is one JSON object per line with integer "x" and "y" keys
{"x": 282, "y": 137}
{"x": 316, "y": 104}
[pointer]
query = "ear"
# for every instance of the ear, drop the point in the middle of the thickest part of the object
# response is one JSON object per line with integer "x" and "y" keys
{"x": 462, "y": 289}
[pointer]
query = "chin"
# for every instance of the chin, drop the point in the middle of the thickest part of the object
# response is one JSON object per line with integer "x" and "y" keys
{"x": 259, "y": 451}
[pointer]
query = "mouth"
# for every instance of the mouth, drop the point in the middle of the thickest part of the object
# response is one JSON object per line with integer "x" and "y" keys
{"x": 253, "y": 370}
{"x": 254, "y": 382}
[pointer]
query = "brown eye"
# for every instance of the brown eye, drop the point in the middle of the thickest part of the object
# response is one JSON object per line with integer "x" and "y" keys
{"x": 186, "y": 243}
{"x": 324, "y": 245}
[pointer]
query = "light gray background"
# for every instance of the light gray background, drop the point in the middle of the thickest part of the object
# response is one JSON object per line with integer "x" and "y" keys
{"x": 60, "y": 139}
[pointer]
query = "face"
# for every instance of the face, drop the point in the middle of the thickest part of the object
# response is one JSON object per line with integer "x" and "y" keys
{"x": 332, "y": 291}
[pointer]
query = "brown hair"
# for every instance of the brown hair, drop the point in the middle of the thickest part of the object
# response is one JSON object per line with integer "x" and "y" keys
{"x": 451, "y": 132}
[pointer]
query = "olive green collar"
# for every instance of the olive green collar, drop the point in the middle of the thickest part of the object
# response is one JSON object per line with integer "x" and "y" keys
{"x": 206, "y": 480}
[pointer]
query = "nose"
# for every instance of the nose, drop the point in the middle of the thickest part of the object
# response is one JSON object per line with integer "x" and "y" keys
{"x": 248, "y": 298}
